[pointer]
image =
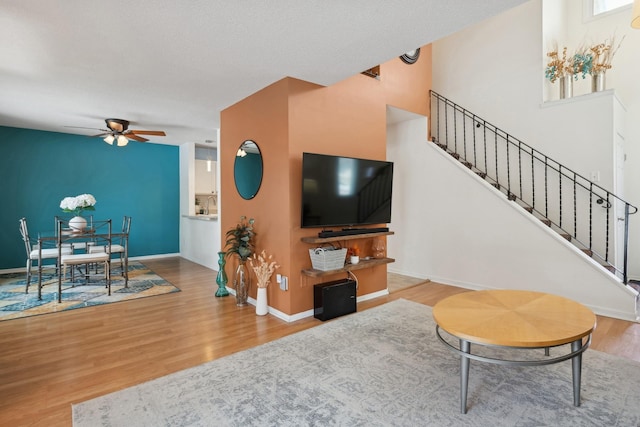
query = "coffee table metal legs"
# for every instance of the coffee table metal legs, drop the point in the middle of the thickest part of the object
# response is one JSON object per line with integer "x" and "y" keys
{"x": 577, "y": 348}
{"x": 465, "y": 347}
{"x": 576, "y": 365}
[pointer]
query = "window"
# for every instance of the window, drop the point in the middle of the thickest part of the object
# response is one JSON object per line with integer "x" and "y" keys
{"x": 604, "y": 6}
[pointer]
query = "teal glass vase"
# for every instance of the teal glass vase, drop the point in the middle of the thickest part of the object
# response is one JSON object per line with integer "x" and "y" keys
{"x": 221, "y": 278}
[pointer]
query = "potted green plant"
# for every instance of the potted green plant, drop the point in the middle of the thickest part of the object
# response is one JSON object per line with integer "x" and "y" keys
{"x": 239, "y": 241}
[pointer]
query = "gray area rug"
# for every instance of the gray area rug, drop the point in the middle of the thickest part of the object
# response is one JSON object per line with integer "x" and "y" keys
{"x": 379, "y": 367}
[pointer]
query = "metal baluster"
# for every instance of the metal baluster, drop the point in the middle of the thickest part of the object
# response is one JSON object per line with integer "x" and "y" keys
{"x": 446, "y": 125}
{"x": 508, "y": 168}
{"x": 486, "y": 165}
{"x": 464, "y": 134}
{"x": 546, "y": 188}
{"x": 608, "y": 221}
{"x": 560, "y": 189}
{"x": 495, "y": 137}
{"x": 590, "y": 215}
{"x": 533, "y": 181}
{"x": 455, "y": 130}
{"x": 438, "y": 103}
{"x": 575, "y": 206}
{"x": 520, "y": 168}
{"x": 625, "y": 261}
{"x": 475, "y": 160}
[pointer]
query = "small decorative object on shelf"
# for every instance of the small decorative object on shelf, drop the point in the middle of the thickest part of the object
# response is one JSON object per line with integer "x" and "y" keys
{"x": 354, "y": 254}
{"x": 378, "y": 247}
{"x": 240, "y": 242}
{"x": 221, "y": 278}
{"x": 326, "y": 259}
{"x": 77, "y": 205}
{"x": 264, "y": 268}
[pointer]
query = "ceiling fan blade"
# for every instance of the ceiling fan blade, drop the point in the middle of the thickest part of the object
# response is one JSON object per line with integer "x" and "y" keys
{"x": 81, "y": 127}
{"x": 132, "y": 135}
{"x": 100, "y": 135}
{"x": 149, "y": 132}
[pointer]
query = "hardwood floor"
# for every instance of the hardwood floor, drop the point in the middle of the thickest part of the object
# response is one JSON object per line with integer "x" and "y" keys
{"x": 49, "y": 362}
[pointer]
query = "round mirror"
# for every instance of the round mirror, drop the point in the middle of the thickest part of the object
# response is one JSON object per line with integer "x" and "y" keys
{"x": 247, "y": 170}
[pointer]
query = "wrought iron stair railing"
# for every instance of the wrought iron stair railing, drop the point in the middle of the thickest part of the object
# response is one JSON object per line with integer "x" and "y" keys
{"x": 591, "y": 217}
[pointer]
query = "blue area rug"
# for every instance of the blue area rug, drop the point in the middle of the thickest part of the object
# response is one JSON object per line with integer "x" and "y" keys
{"x": 15, "y": 303}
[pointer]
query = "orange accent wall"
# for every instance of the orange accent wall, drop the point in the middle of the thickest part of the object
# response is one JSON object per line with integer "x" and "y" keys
{"x": 288, "y": 118}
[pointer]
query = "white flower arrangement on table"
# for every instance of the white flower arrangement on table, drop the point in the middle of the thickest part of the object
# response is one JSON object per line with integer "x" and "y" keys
{"x": 78, "y": 204}
{"x": 263, "y": 267}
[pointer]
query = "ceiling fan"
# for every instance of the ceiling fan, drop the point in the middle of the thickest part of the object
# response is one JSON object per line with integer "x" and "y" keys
{"x": 118, "y": 131}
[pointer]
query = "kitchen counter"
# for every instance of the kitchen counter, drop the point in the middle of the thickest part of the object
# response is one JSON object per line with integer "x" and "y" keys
{"x": 202, "y": 217}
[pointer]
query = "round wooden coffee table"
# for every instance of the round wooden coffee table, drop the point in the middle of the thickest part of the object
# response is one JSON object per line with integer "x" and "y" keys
{"x": 514, "y": 319}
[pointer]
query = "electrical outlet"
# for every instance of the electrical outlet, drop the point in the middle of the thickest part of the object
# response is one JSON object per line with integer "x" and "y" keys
{"x": 278, "y": 278}
{"x": 284, "y": 283}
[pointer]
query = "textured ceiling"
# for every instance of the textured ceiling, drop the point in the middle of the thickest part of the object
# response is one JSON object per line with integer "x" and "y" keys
{"x": 174, "y": 65}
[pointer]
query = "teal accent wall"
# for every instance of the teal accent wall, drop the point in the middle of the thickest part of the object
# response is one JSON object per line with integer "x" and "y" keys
{"x": 38, "y": 169}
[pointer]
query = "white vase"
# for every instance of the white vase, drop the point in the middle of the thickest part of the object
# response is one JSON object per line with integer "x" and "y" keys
{"x": 78, "y": 223}
{"x": 261, "y": 302}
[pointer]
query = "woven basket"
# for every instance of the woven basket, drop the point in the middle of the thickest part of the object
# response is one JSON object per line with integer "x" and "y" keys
{"x": 326, "y": 259}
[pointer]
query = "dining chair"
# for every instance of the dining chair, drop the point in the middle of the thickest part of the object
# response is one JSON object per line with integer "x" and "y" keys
{"x": 101, "y": 231}
{"x": 120, "y": 246}
{"x": 35, "y": 253}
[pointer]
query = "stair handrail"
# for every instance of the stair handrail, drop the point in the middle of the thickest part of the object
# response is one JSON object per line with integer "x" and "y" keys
{"x": 578, "y": 180}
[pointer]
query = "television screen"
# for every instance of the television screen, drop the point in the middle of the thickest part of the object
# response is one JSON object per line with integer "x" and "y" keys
{"x": 345, "y": 191}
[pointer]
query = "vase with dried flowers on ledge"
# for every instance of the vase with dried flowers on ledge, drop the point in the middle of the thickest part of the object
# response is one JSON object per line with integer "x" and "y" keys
{"x": 558, "y": 69}
{"x": 240, "y": 242}
{"x": 77, "y": 205}
{"x": 264, "y": 267}
{"x": 603, "y": 54}
{"x": 567, "y": 68}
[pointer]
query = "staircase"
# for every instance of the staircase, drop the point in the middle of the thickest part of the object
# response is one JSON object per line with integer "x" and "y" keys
{"x": 593, "y": 219}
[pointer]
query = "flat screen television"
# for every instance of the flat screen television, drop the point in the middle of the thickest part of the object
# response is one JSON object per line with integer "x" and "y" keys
{"x": 345, "y": 191}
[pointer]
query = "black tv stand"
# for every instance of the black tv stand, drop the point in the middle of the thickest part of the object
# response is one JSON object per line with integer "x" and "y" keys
{"x": 351, "y": 232}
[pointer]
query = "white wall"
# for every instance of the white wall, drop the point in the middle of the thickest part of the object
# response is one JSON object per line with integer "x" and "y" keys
{"x": 452, "y": 227}
{"x": 496, "y": 70}
{"x": 199, "y": 239}
{"x": 623, "y": 78}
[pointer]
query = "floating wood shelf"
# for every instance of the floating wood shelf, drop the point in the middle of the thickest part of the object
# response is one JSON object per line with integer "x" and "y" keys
{"x": 364, "y": 263}
{"x": 347, "y": 237}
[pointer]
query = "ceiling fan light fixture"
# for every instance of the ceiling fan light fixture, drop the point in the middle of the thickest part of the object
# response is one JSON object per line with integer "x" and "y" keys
{"x": 117, "y": 125}
{"x": 109, "y": 139}
{"x": 122, "y": 141}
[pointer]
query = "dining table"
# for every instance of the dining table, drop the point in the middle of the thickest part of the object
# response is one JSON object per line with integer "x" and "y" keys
{"x": 98, "y": 233}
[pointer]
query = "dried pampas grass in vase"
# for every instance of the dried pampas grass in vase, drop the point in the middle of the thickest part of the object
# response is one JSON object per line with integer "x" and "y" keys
{"x": 263, "y": 267}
